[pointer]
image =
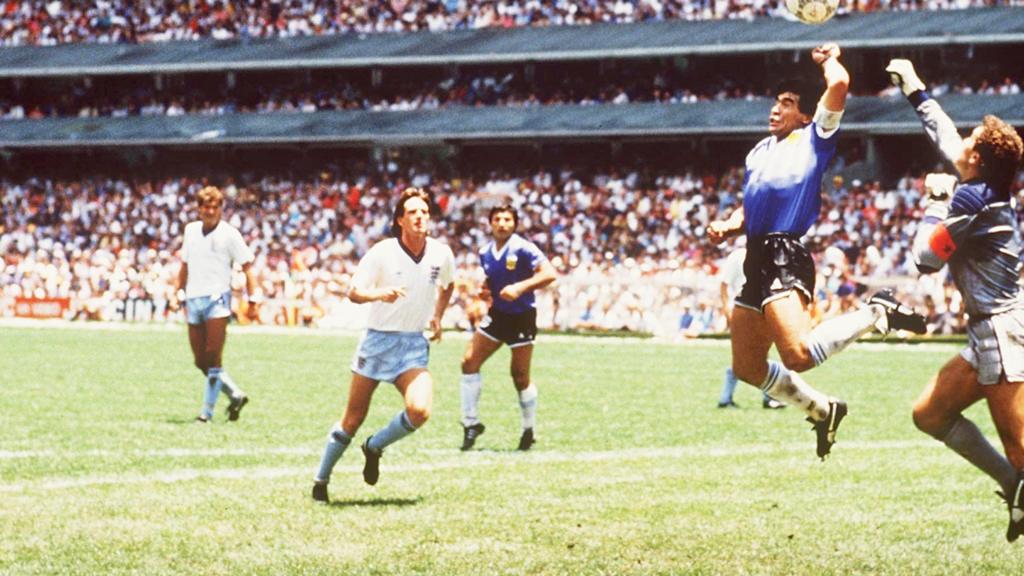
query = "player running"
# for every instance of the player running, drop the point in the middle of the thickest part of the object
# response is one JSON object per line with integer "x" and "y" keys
{"x": 409, "y": 280}
{"x": 781, "y": 200}
{"x": 209, "y": 249}
{"x": 972, "y": 226}
{"x": 515, "y": 268}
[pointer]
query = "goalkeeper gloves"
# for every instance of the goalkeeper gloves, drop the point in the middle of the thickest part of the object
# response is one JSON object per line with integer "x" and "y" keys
{"x": 902, "y": 74}
{"x": 939, "y": 186}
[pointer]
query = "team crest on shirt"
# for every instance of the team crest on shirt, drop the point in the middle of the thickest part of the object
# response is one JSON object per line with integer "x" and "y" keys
{"x": 435, "y": 271}
{"x": 510, "y": 262}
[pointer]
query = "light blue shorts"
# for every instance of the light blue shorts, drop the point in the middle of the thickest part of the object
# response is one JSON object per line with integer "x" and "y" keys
{"x": 384, "y": 356}
{"x": 205, "y": 308}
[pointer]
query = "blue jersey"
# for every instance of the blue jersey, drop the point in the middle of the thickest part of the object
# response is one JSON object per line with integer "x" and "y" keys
{"x": 517, "y": 261}
{"x": 782, "y": 185}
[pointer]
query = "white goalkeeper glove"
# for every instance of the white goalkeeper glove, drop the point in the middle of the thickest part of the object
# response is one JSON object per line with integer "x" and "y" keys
{"x": 939, "y": 186}
{"x": 902, "y": 74}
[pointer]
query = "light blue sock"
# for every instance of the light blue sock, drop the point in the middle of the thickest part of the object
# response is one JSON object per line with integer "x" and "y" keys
{"x": 728, "y": 387}
{"x": 230, "y": 388}
{"x": 337, "y": 441}
{"x": 398, "y": 428}
{"x": 213, "y": 384}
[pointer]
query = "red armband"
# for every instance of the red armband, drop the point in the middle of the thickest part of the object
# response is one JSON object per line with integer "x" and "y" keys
{"x": 941, "y": 243}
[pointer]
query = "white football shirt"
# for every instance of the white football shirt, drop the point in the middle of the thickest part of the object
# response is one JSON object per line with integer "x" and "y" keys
{"x": 388, "y": 265}
{"x": 732, "y": 272}
{"x": 210, "y": 257}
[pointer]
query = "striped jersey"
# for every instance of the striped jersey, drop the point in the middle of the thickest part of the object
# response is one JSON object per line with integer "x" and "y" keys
{"x": 782, "y": 184}
{"x": 517, "y": 260}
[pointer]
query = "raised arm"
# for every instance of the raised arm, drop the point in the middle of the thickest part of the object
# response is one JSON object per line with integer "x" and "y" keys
{"x": 837, "y": 78}
{"x": 937, "y": 124}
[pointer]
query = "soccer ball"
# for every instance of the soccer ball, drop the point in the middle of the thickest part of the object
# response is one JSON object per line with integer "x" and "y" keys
{"x": 813, "y": 11}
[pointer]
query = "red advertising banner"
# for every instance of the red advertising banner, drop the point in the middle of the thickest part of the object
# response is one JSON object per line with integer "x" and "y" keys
{"x": 41, "y": 307}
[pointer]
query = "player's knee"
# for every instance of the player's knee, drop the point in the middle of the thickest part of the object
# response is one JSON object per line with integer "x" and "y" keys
{"x": 929, "y": 421}
{"x": 796, "y": 359}
{"x": 470, "y": 365}
{"x": 521, "y": 379}
{"x": 418, "y": 414}
{"x": 351, "y": 423}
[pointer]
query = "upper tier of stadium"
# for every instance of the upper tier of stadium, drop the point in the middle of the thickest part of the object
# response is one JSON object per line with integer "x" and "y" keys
{"x": 351, "y": 47}
{"x": 866, "y": 116}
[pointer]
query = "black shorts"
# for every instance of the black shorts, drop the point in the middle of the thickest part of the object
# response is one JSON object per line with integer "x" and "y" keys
{"x": 512, "y": 329}
{"x": 775, "y": 264}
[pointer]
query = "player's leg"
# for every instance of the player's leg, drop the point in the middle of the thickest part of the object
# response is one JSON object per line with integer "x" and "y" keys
{"x": 340, "y": 436}
{"x": 220, "y": 315}
{"x": 728, "y": 389}
{"x": 197, "y": 340}
{"x": 417, "y": 390}
{"x": 522, "y": 357}
{"x": 480, "y": 348}
{"x": 830, "y": 337}
{"x": 216, "y": 335}
{"x": 938, "y": 413}
{"x": 788, "y": 317}
{"x": 1005, "y": 401}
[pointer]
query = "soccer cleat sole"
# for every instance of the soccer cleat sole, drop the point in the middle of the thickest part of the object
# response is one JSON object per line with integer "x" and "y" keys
{"x": 235, "y": 408}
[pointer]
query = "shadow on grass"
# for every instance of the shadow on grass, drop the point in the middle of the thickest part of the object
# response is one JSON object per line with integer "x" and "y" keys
{"x": 179, "y": 420}
{"x": 373, "y": 502}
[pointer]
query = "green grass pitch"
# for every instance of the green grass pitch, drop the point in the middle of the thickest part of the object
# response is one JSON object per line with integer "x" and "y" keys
{"x": 102, "y": 470}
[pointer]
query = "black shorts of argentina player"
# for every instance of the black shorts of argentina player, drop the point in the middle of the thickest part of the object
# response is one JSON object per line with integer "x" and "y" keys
{"x": 512, "y": 329}
{"x": 775, "y": 265}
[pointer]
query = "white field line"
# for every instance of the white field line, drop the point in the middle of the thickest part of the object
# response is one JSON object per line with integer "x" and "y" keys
{"x": 57, "y": 324}
{"x": 468, "y": 460}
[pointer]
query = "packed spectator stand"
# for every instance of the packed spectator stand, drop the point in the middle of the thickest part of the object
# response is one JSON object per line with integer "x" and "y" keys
{"x": 34, "y": 22}
{"x": 630, "y": 247}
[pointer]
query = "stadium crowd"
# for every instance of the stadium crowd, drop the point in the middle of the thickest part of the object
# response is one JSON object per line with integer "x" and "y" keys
{"x": 630, "y": 247}
{"x": 661, "y": 84}
{"x": 46, "y": 23}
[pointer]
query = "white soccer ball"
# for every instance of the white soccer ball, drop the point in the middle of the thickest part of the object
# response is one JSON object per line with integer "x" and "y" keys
{"x": 813, "y": 11}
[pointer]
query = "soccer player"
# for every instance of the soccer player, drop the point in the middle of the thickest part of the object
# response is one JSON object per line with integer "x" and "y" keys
{"x": 409, "y": 279}
{"x": 973, "y": 228}
{"x": 515, "y": 268}
{"x": 209, "y": 249}
{"x": 781, "y": 199}
{"x": 732, "y": 282}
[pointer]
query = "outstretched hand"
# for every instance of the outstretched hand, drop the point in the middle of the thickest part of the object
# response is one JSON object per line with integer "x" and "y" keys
{"x": 824, "y": 52}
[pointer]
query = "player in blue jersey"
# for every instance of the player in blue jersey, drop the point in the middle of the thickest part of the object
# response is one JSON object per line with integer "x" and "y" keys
{"x": 973, "y": 228}
{"x": 781, "y": 200}
{"x": 515, "y": 268}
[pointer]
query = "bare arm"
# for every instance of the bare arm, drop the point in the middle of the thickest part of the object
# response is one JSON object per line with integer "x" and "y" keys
{"x": 180, "y": 281}
{"x": 837, "y": 78}
{"x": 544, "y": 274}
{"x": 721, "y": 229}
{"x": 444, "y": 296}
{"x": 363, "y": 295}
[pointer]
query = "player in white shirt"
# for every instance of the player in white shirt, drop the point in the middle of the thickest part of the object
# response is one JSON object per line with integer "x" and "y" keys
{"x": 209, "y": 251}
{"x": 409, "y": 280}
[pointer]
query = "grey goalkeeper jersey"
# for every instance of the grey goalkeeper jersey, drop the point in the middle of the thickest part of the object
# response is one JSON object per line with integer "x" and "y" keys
{"x": 977, "y": 234}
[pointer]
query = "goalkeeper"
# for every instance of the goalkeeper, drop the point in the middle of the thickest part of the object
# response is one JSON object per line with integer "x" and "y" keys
{"x": 972, "y": 227}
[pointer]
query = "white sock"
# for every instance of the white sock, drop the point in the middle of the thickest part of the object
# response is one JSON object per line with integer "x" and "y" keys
{"x": 230, "y": 388}
{"x": 528, "y": 404}
{"x": 472, "y": 384}
{"x": 834, "y": 334}
{"x": 790, "y": 388}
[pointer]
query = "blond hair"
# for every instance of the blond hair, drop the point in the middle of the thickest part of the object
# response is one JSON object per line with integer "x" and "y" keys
{"x": 209, "y": 194}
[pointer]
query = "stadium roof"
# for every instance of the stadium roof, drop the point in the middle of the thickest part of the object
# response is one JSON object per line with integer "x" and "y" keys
{"x": 653, "y": 39}
{"x": 490, "y": 124}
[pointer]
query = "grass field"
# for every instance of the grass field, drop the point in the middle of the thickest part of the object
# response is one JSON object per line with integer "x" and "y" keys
{"x": 103, "y": 471}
